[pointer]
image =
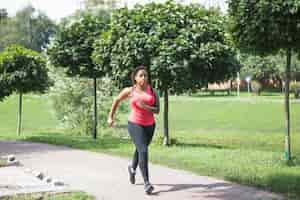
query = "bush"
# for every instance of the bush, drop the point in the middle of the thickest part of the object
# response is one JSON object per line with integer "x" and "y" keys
{"x": 4, "y": 89}
{"x": 295, "y": 87}
{"x": 159, "y": 140}
{"x": 256, "y": 87}
{"x": 72, "y": 99}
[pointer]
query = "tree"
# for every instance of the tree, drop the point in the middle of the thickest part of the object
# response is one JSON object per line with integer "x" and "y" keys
{"x": 3, "y": 14}
{"x": 30, "y": 28}
{"x": 272, "y": 67}
{"x": 102, "y": 4}
{"x": 5, "y": 33}
{"x": 24, "y": 71}
{"x": 3, "y": 25}
{"x": 261, "y": 68}
{"x": 265, "y": 27}
{"x": 4, "y": 88}
{"x": 72, "y": 47}
{"x": 182, "y": 46}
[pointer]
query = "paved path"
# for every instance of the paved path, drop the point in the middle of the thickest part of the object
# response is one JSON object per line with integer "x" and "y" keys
{"x": 106, "y": 176}
{"x": 15, "y": 180}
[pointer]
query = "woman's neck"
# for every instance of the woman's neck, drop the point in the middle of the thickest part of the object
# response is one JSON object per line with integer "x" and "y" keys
{"x": 141, "y": 88}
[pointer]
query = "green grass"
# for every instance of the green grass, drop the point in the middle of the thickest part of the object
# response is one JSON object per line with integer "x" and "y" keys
{"x": 48, "y": 196}
{"x": 237, "y": 139}
{"x": 37, "y": 114}
{"x": 255, "y": 164}
{"x": 268, "y": 94}
{"x": 227, "y": 115}
{"x": 2, "y": 163}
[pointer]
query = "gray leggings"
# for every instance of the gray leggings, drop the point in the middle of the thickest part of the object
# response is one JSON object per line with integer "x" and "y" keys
{"x": 141, "y": 137}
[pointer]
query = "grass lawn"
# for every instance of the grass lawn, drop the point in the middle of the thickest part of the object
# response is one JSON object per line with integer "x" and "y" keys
{"x": 237, "y": 139}
{"x": 37, "y": 115}
{"x": 47, "y": 196}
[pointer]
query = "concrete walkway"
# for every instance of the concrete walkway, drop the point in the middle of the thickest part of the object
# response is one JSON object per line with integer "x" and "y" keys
{"x": 15, "y": 180}
{"x": 106, "y": 176}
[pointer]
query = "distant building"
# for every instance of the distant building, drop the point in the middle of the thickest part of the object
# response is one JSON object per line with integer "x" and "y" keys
{"x": 219, "y": 86}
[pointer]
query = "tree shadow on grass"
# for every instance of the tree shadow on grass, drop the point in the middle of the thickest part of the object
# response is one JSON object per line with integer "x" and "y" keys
{"x": 80, "y": 142}
{"x": 32, "y": 143}
{"x": 287, "y": 183}
{"x": 207, "y": 95}
{"x": 200, "y": 145}
{"x": 271, "y": 94}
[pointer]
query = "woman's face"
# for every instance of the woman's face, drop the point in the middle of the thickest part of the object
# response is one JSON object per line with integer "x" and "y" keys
{"x": 141, "y": 78}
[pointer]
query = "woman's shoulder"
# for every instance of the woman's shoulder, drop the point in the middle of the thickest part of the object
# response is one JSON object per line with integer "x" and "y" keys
{"x": 127, "y": 89}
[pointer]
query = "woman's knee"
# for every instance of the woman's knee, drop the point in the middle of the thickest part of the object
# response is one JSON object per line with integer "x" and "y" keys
{"x": 143, "y": 154}
{"x": 143, "y": 151}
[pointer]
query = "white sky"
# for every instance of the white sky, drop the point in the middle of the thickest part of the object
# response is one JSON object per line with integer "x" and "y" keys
{"x": 56, "y": 9}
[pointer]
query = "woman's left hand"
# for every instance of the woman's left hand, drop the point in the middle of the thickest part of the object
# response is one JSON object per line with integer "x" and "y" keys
{"x": 110, "y": 121}
{"x": 141, "y": 104}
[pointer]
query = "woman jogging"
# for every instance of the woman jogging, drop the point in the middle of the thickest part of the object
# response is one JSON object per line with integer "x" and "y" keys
{"x": 144, "y": 102}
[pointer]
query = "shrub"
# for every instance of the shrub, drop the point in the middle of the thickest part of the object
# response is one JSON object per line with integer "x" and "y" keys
{"x": 72, "y": 100}
{"x": 295, "y": 87}
{"x": 256, "y": 87}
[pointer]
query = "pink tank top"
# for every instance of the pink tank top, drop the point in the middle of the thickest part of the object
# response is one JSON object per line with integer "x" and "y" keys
{"x": 138, "y": 115}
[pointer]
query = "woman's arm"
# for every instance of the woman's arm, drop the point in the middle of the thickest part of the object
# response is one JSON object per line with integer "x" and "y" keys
{"x": 122, "y": 95}
{"x": 154, "y": 109}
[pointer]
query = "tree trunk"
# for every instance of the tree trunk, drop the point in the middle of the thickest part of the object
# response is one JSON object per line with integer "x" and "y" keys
{"x": 281, "y": 85}
{"x": 287, "y": 106}
{"x": 95, "y": 109}
{"x": 238, "y": 84}
{"x": 166, "y": 118}
{"x": 20, "y": 114}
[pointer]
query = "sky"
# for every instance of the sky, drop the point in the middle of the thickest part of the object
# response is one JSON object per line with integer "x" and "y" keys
{"x": 57, "y": 9}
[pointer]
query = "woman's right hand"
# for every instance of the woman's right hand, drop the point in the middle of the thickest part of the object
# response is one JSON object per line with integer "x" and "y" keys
{"x": 110, "y": 121}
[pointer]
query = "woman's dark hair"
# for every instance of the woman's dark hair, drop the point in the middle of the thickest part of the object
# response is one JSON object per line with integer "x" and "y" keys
{"x": 135, "y": 71}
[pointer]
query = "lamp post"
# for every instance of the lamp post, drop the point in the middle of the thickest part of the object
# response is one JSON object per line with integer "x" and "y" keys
{"x": 248, "y": 79}
{"x": 238, "y": 83}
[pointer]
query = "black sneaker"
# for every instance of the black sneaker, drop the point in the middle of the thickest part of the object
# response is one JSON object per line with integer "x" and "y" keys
{"x": 131, "y": 175}
{"x": 148, "y": 188}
